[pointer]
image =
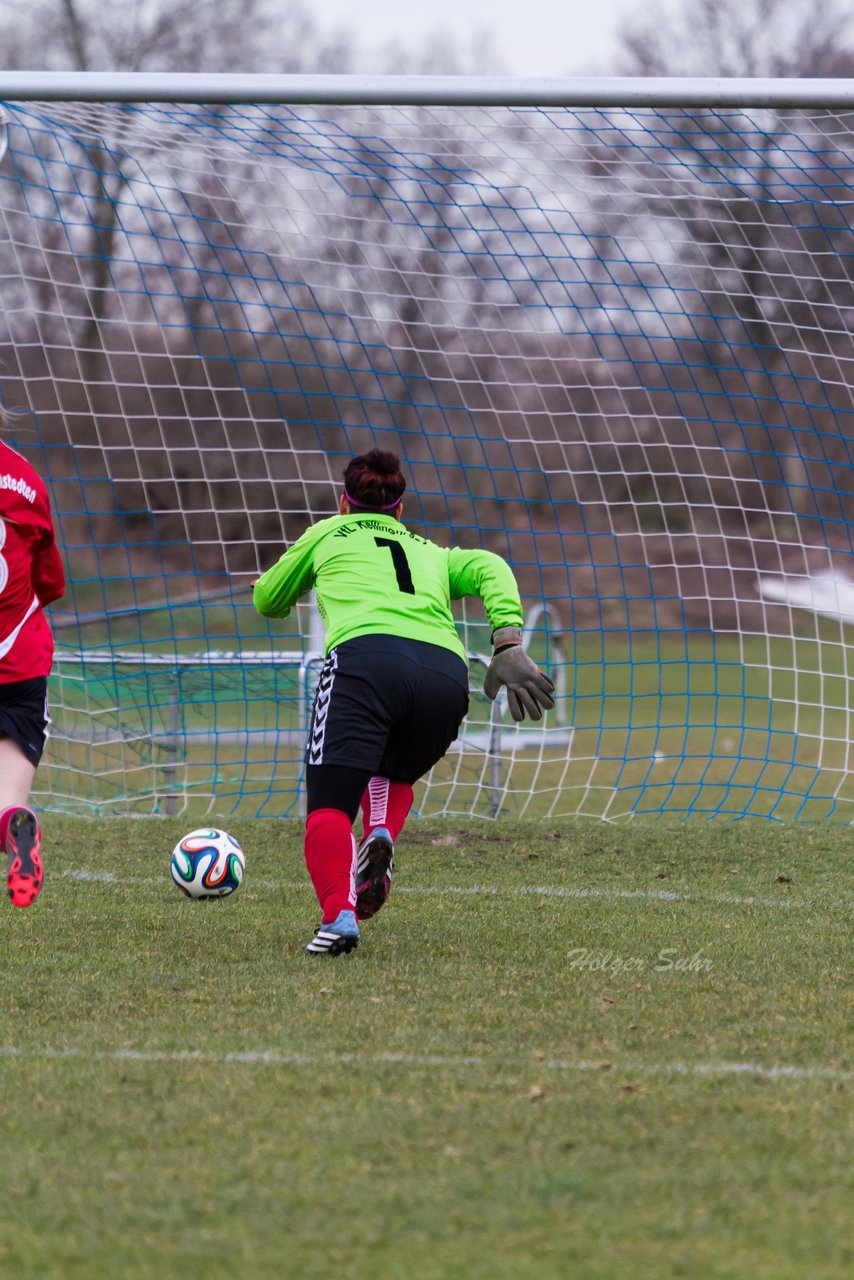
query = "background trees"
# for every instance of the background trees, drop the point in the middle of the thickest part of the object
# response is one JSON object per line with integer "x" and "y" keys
{"x": 633, "y": 324}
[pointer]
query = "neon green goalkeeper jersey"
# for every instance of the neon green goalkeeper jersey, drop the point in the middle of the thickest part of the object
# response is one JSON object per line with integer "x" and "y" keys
{"x": 373, "y": 577}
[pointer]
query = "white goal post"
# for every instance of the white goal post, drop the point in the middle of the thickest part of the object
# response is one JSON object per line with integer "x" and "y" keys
{"x": 605, "y": 323}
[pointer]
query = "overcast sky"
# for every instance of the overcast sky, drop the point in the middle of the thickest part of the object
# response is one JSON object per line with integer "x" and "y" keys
{"x": 530, "y": 37}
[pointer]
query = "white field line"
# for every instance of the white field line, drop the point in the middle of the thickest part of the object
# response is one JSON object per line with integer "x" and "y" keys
{"x": 476, "y": 890}
{"x": 275, "y": 1058}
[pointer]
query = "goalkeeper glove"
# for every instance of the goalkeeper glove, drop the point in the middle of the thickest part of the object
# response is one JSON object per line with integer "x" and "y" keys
{"x": 528, "y": 689}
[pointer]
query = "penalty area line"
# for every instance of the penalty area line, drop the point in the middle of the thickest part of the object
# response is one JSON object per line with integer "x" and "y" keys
{"x": 275, "y": 1058}
{"x": 475, "y": 890}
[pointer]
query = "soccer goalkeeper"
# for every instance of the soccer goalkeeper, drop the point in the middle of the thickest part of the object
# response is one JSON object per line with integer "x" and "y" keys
{"x": 393, "y": 690}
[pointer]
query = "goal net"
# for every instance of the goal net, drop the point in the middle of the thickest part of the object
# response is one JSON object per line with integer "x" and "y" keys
{"x": 611, "y": 344}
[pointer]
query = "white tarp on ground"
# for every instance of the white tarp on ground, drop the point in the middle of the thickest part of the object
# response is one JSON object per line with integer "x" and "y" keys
{"x": 829, "y": 594}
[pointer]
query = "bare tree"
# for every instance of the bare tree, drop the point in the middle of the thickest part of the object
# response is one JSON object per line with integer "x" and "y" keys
{"x": 736, "y": 191}
{"x": 191, "y": 223}
{"x": 81, "y": 235}
{"x": 740, "y": 38}
{"x": 167, "y": 35}
{"x": 161, "y": 35}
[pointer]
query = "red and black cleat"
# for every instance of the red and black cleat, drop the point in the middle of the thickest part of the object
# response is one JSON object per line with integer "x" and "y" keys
{"x": 23, "y": 847}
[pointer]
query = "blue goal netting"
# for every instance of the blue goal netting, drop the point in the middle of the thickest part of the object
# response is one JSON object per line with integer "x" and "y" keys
{"x": 612, "y": 345}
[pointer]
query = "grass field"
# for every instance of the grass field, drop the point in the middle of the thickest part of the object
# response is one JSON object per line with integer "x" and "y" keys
{"x": 562, "y": 1050}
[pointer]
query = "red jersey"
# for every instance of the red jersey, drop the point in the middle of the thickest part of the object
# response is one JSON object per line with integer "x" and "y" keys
{"x": 31, "y": 573}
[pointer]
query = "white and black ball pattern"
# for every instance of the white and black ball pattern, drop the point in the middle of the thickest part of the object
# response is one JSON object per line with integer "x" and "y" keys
{"x": 208, "y": 863}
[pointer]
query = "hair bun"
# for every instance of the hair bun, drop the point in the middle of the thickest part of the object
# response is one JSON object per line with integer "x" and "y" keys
{"x": 373, "y": 481}
{"x": 383, "y": 462}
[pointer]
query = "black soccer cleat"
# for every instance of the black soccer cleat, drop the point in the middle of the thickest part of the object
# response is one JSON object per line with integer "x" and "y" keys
{"x": 374, "y": 865}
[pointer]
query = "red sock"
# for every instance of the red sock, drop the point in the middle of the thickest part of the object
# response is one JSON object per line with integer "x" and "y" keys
{"x": 330, "y": 855}
{"x": 5, "y": 815}
{"x": 386, "y": 804}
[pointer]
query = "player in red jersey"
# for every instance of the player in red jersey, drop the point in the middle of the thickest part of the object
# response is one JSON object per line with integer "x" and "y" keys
{"x": 31, "y": 576}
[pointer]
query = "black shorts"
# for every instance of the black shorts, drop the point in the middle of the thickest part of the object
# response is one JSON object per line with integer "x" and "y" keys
{"x": 389, "y": 706}
{"x": 24, "y": 715}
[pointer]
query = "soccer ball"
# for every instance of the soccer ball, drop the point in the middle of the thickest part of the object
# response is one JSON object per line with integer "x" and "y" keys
{"x": 208, "y": 863}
